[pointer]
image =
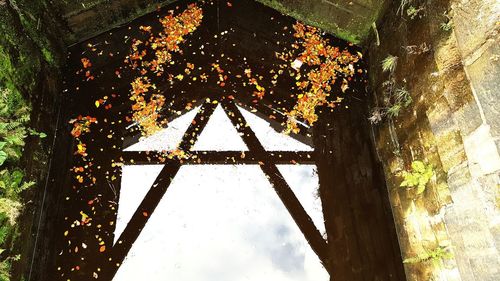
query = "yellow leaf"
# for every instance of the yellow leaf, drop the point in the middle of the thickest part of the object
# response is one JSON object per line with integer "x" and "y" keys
{"x": 97, "y": 103}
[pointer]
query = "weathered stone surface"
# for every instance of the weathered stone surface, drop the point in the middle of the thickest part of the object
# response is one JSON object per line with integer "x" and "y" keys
{"x": 477, "y": 32}
{"x": 88, "y": 18}
{"x": 450, "y": 124}
{"x": 475, "y": 23}
{"x": 482, "y": 152}
{"x": 350, "y": 21}
{"x": 484, "y": 74}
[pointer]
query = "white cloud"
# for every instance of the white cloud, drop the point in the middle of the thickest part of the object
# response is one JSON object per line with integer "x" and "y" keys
{"x": 219, "y": 223}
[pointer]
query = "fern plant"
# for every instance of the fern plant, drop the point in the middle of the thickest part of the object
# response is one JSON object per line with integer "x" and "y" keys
{"x": 12, "y": 184}
{"x": 389, "y": 63}
{"x": 418, "y": 177}
{"x": 436, "y": 254}
{"x": 14, "y": 117}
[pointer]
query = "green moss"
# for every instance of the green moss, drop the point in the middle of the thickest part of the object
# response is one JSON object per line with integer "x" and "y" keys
{"x": 47, "y": 55}
{"x": 312, "y": 19}
{"x": 355, "y": 28}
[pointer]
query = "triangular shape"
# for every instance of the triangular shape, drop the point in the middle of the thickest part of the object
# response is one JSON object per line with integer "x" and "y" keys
{"x": 219, "y": 134}
{"x": 304, "y": 182}
{"x": 269, "y": 138}
{"x": 135, "y": 184}
{"x": 224, "y": 223}
{"x": 167, "y": 138}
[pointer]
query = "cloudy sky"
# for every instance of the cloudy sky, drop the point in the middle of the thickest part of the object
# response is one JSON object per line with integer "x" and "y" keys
{"x": 220, "y": 222}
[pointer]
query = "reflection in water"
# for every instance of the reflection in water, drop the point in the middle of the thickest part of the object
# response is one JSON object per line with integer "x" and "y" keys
{"x": 167, "y": 138}
{"x": 218, "y": 222}
{"x": 304, "y": 182}
{"x": 269, "y": 138}
{"x": 220, "y": 134}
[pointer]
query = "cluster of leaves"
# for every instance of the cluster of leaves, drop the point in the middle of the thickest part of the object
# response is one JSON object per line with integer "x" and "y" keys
{"x": 81, "y": 126}
{"x": 145, "y": 111}
{"x": 413, "y": 12}
{"x": 390, "y": 63}
{"x": 327, "y": 63}
{"x": 395, "y": 97}
{"x": 148, "y": 102}
{"x": 14, "y": 118}
{"x": 418, "y": 177}
{"x": 434, "y": 255}
{"x": 412, "y": 8}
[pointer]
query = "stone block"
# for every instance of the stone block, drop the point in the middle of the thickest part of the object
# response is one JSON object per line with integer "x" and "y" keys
{"x": 474, "y": 21}
{"x": 482, "y": 152}
{"x": 350, "y": 21}
{"x": 484, "y": 74}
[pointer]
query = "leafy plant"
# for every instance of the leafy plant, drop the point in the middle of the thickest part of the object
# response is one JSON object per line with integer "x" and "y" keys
{"x": 389, "y": 63}
{"x": 5, "y": 270}
{"x": 14, "y": 119}
{"x": 11, "y": 209}
{"x": 447, "y": 25}
{"x": 33, "y": 132}
{"x": 393, "y": 111}
{"x": 402, "y": 6}
{"x": 11, "y": 183}
{"x": 14, "y": 116}
{"x": 418, "y": 177}
{"x": 402, "y": 97}
{"x": 440, "y": 252}
{"x": 395, "y": 100}
{"x": 413, "y": 12}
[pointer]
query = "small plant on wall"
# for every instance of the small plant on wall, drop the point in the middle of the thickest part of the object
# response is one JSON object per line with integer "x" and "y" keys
{"x": 395, "y": 97}
{"x": 418, "y": 177}
{"x": 389, "y": 64}
{"x": 434, "y": 255}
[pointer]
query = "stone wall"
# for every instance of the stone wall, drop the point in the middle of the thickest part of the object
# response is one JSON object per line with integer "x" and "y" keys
{"x": 351, "y": 21}
{"x": 87, "y": 18}
{"x": 452, "y": 124}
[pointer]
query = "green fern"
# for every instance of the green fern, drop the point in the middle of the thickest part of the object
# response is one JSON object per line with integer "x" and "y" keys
{"x": 418, "y": 177}
{"x": 10, "y": 209}
{"x": 4, "y": 233}
{"x": 440, "y": 252}
{"x": 14, "y": 119}
{"x": 389, "y": 63}
{"x": 12, "y": 184}
{"x": 5, "y": 270}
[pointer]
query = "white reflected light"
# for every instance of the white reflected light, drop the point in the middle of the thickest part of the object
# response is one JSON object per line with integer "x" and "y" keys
{"x": 218, "y": 223}
{"x": 269, "y": 138}
{"x": 167, "y": 138}
{"x": 219, "y": 134}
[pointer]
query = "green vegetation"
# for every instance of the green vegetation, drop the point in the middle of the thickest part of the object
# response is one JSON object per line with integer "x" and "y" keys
{"x": 390, "y": 63}
{"x": 14, "y": 118}
{"x": 413, "y": 12}
{"x": 418, "y": 177}
{"x": 434, "y": 255}
{"x": 402, "y": 6}
{"x": 395, "y": 99}
{"x": 446, "y": 25}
